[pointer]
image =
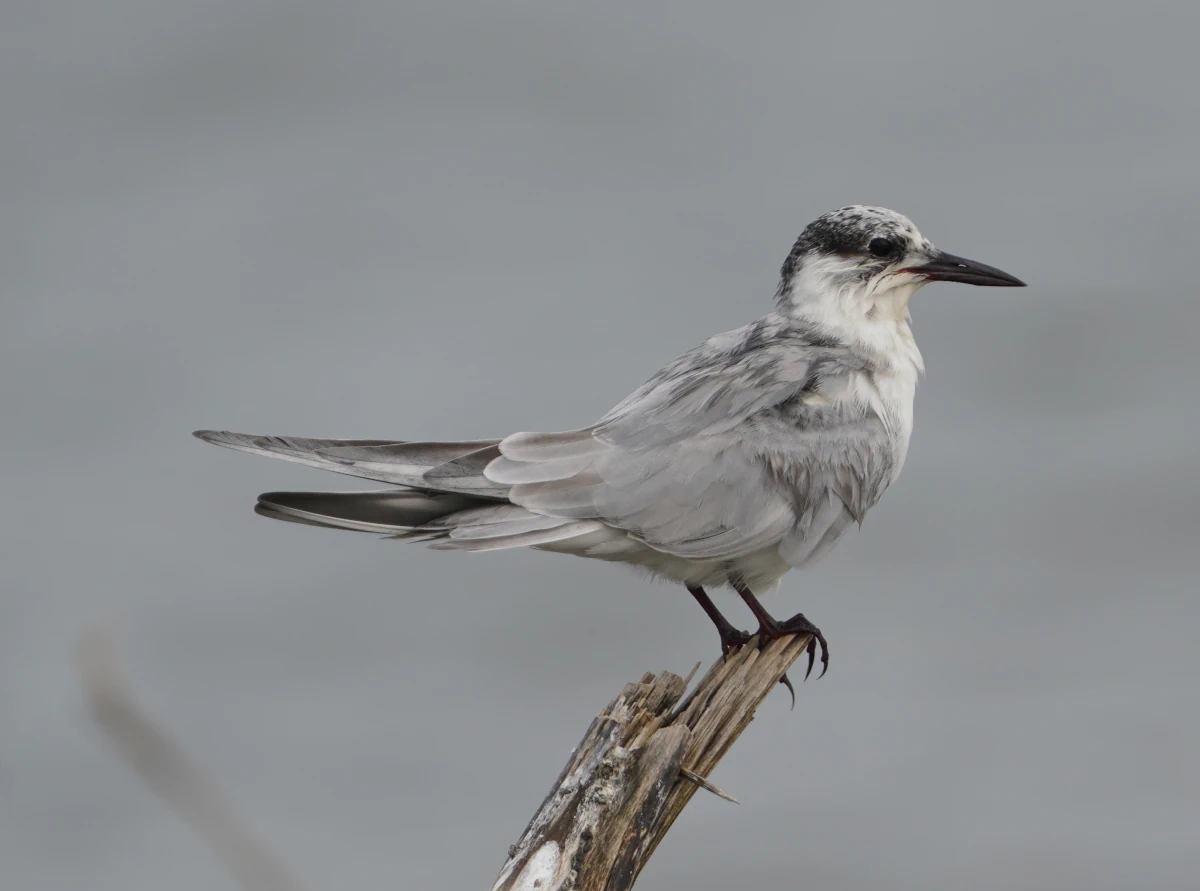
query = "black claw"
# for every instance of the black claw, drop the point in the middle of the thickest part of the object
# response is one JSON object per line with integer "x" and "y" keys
{"x": 798, "y": 624}
{"x": 770, "y": 629}
{"x": 787, "y": 683}
{"x": 731, "y": 640}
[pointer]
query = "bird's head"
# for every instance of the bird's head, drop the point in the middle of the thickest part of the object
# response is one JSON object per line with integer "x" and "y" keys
{"x": 871, "y": 258}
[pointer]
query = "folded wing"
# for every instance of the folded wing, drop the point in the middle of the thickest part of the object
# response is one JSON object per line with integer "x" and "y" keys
{"x": 735, "y": 447}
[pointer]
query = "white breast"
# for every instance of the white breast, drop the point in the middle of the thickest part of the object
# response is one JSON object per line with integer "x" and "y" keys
{"x": 874, "y": 318}
{"x": 896, "y": 390}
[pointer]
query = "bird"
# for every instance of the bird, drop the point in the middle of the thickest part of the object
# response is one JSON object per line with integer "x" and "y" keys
{"x": 747, "y": 456}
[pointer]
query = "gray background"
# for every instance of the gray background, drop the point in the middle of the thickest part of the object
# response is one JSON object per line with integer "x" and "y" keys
{"x": 463, "y": 219}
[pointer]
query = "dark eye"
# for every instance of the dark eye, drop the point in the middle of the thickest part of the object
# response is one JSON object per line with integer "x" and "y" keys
{"x": 881, "y": 247}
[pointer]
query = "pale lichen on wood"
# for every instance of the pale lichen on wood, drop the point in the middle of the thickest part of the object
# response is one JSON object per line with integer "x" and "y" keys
{"x": 637, "y": 766}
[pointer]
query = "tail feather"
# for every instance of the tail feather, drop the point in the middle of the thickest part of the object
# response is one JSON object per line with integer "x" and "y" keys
{"x": 386, "y": 511}
{"x": 263, "y": 511}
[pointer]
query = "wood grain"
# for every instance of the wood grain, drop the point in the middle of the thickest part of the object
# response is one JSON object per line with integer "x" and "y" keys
{"x": 628, "y": 779}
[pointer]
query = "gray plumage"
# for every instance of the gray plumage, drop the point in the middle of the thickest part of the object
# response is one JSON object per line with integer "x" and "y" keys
{"x": 748, "y": 455}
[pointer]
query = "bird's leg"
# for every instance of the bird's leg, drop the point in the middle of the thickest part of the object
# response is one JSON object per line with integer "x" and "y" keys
{"x": 731, "y": 638}
{"x": 771, "y": 629}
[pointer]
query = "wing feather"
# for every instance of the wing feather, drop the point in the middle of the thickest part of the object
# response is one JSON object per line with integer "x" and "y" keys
{"x": 440, "y": 466}
{"x": 429, "y": 466}
{"x": 724, "y": 452}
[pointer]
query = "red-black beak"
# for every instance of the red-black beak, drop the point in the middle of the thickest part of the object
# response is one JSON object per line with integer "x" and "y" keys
{"x": 943, "y": 267}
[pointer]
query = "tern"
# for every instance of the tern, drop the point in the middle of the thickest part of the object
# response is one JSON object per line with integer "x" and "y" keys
{"x": 747, "y": 456}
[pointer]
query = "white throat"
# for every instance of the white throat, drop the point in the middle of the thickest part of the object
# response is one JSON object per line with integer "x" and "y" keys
{"x": 871, "y": 314}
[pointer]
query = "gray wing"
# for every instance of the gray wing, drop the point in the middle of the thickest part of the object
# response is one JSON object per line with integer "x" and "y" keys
{"x": 427, "y": 466}
{"x": 739, "y": 444}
